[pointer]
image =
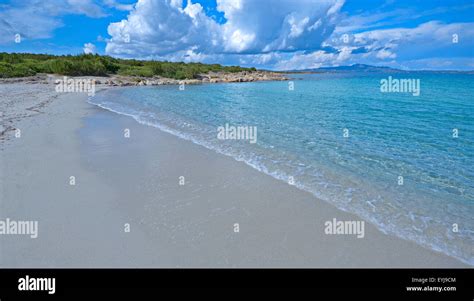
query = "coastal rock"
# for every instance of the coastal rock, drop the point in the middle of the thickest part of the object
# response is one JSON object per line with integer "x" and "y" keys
{"x": 120, "y": 80}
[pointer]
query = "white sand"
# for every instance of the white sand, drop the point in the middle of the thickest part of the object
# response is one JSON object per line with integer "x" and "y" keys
{"x": 135, "y": 180}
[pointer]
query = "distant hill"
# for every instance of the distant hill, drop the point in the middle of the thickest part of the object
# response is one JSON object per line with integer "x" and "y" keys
{"x": 359, "y": 67}
{"x": 369, "y": 68}
{"x": 352, "y": 68}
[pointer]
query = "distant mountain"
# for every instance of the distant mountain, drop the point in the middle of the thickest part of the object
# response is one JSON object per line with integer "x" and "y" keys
{"x": 369, "y": 68}
{"x": 352, "y": 68}
{"x": 359, "y": 67}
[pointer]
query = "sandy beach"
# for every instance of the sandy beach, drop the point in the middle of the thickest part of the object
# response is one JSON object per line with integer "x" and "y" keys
{"x": 135, "y": 181}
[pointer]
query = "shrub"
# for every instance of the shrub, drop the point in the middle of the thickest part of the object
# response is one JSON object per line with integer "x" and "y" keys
{"x": 18, "y": 70}
{"x": 24, "y": 64}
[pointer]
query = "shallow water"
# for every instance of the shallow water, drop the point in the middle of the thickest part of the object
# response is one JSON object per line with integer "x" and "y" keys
{"x": 300, "y": 134}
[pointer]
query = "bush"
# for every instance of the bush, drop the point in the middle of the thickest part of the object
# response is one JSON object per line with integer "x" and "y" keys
{"x": 13, "y": 58}
{"x": 19, "y": 70}
{"x": 58, "y": 66}
{"x": 110, "y": 65}
{"x": 5, "y": 69}
{"x": 74, "y": 68}
{"x": 89, "y": 67}
{"x": 136, "y": 71}
{"x": 157, "y": 69}
{"x": 25, "y": 64}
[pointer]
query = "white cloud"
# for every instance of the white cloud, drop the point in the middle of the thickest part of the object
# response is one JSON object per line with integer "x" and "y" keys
{"x": 385, "y": 54}
{"x": 86, "y": 7}
{"x": 89, "y": 48}
{"x": 383, "y": 46}
{"x": 376, "y": 38}
{"x": 297, "y": 26}
{"x": 437, "y": 63}
{"x": 27, "y": 22}
{"x": 316, "y": 59}
{"x": 37, "y": 19}
{"x": 414, "y": 42}
{"x": 161, "y": 28}
{"x": 115, "y": 4}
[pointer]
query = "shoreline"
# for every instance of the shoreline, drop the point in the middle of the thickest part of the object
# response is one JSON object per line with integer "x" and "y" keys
{"x": 192, "y": 225}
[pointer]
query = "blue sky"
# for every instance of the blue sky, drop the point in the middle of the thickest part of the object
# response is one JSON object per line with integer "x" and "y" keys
{"x": 272, "y": 34}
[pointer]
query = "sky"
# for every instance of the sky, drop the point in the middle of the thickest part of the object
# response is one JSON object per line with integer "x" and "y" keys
{"x": 267, "y": 34}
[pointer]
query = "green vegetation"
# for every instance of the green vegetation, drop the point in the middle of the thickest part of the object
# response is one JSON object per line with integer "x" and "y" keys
{"x": 25, "y": 64}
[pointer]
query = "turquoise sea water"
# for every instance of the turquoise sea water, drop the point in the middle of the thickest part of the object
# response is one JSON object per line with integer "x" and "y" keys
{"x": 300, "y": 135}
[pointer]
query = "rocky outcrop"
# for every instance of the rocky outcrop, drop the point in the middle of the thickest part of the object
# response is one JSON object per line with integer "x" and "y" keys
{"x": 239, "y": 77}
{"x": 119, "y": 80}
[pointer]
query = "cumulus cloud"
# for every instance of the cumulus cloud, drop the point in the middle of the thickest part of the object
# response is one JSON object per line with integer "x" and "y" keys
{"x": 283, "y": 25}
{"x": 89, "y": 48}
{"x": 162, "y": 28}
